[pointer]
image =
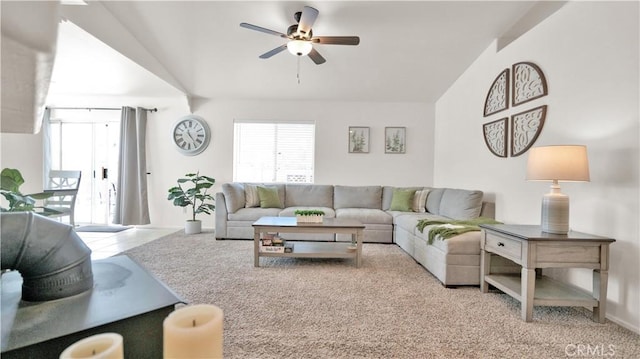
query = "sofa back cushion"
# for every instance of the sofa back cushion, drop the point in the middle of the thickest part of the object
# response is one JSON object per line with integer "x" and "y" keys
{"x": 433, "y": 200}
{"x": 460, "y": 204}
{"x": 357, "y": 197}
{"x": 233, "y": 196}
{"x": 308, "y": 195}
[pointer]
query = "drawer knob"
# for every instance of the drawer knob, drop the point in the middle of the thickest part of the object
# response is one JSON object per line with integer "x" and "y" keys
{"x": 500, "y": 244}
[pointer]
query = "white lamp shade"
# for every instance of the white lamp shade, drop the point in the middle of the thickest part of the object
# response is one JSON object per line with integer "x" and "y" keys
{"x": 299, "y": 47}
{"x": 558, "y": 163}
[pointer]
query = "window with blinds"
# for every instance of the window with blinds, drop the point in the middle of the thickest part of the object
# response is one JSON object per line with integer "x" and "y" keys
{"x": 273, "y": 151}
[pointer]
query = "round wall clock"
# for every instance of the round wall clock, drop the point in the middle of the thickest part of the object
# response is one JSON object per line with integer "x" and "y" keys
{"x": 191, "y": 135}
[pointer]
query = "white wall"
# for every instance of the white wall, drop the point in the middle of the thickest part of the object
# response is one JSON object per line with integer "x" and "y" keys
{"x": 24, "y": 153}
{"x": 333, "y": 163}
{"x": 588, "y": 52}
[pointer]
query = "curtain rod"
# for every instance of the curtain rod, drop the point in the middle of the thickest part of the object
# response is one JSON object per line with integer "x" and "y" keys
{"x": 97, "y": 108}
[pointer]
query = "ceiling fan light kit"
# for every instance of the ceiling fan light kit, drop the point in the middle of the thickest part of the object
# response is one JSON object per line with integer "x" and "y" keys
{"x": 299, "y": 47}
{"x": 301, "y": 37}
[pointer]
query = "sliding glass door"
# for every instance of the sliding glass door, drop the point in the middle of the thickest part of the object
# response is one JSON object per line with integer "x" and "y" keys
{"x": 88, "y": 141}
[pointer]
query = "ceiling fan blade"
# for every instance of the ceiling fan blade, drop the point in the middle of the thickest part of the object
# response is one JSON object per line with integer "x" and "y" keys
{"x": 262, "y": 29}
{"x": 275, "y": 51}
{"x": 316, "y": 57}
{"x": 307, "y": 19}
{"x": 336, "y": 40}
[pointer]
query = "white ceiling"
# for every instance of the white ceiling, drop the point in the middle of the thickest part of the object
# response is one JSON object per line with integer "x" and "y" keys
{"x": 409, "y": 51}
{"x": 86, "y": 66}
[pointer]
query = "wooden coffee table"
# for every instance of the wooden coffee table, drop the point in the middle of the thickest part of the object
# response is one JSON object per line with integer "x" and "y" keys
{"x": 310, "y": 249}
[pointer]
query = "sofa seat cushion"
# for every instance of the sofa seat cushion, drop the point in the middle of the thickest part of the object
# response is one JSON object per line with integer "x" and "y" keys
{"x": 365, "y": 215}
{"x": 396, "y": 214}
{"x": 465, "y": 243}
{"x": 290, "y": 211}
{"x": 253, "y": 214}
{"x": 409, "y": 221}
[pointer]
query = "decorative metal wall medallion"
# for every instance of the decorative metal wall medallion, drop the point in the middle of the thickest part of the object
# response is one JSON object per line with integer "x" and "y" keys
{"x": 528, "y": 83}
{"x": 495, "y": 136}
{"x": 498, "y": 96}
{"x": 525, "y": 129}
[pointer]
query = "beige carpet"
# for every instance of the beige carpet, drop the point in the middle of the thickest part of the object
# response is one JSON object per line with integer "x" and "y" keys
{"x": 389, "y": 308}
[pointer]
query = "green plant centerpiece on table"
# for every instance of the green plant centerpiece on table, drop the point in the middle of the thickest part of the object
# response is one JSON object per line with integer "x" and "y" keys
{"x": 309, "y": 215}
{"x": 192, "y": 191}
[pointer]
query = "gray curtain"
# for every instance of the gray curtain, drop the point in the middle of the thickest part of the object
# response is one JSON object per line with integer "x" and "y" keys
{"x": 131, "y": 190}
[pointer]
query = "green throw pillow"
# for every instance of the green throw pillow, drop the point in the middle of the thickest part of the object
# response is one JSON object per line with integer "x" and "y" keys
{"x": 269, "y": 197}
{"x": 402, "y": 200}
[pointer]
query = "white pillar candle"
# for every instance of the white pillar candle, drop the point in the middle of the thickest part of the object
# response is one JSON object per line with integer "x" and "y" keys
{"x": 100, "y": 346}
{"x": 193, "y": 331}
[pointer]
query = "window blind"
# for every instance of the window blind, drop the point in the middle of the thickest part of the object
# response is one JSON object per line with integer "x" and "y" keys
{"x": 273, "y": 151}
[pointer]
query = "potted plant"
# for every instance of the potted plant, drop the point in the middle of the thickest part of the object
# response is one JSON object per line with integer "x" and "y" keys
{"x": 10, "y": 181}
{"x": 309, "y": 215}
{"x": 192, "y": 191}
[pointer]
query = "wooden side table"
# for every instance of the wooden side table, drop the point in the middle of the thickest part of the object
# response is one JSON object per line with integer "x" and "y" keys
{"x": 531, "y": 248}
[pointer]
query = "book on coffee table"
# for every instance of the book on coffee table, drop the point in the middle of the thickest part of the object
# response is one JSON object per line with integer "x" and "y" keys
{"x": 272, "y": 249}
{"x": 284, "y": 247}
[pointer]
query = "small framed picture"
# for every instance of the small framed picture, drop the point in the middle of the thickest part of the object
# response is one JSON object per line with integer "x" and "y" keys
{"x": 358, "y": 139}
{"x": 395, "y": 139}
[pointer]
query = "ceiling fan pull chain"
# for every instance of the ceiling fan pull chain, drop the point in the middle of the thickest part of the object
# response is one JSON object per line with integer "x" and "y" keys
{"x": 298, "y": 75}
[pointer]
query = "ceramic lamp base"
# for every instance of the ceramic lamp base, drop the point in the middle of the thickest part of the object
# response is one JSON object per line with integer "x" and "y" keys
{"x": 555, "y": 212}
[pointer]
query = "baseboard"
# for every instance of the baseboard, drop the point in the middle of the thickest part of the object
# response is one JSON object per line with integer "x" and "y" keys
{"x": 624, "y": 324}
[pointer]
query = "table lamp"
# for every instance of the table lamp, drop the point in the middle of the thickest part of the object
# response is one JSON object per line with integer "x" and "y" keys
{"x": 557, "y": 163}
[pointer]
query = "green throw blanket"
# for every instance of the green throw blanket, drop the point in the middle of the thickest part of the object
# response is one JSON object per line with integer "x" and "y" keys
{"x": 450, "y": 228}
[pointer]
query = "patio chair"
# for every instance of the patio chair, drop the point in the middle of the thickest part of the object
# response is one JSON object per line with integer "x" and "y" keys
{"x": 63, "y": 187}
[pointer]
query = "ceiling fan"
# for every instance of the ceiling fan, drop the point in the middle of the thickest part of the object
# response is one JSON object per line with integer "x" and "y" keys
{"x": 301, "y": 37}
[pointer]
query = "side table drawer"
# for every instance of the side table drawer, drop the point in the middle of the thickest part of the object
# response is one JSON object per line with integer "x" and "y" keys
{"x": 503, "y": 246}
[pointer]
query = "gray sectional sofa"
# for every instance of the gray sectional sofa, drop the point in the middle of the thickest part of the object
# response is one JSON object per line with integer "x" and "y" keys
{"x": 454, "y": 261}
